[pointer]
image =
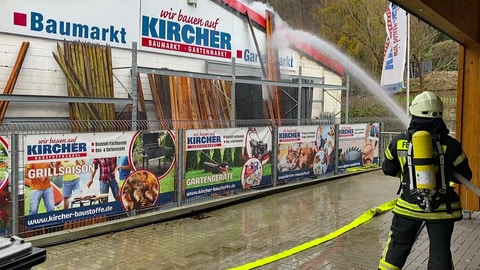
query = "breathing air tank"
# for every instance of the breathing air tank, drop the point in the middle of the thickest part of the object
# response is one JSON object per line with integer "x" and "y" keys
{"x": 424, "y": 166}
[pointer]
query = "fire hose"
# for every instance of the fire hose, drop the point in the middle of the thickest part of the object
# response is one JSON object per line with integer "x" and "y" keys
{"x": 463, "y": 181}
{"x": 467, "y": 183}
{"x": 361, "y": 219}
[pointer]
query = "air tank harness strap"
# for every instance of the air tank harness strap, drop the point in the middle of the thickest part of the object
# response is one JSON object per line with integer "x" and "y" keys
{"x": 441, "y": 159}
{"x": 445, "y": 189}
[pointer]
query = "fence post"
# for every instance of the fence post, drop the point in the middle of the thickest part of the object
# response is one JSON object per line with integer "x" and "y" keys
{"x": 180, "y": 175}
{"x": 381, "y": 146}
{"x": 274, "y": 155}
{"x": 336, "y": 149}
{"x": 134, "y": 86}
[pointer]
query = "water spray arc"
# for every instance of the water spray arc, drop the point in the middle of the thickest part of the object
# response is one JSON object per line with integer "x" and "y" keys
{"x": 372, "y": 86}
{"x": 354, "y": 70}
{"x": 284, "y": 36}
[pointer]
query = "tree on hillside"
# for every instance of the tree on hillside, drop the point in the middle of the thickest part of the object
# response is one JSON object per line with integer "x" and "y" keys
{"x": 357, "y": 27}
{"x": 422, "y": 38}
{"x": 444, "y": 55}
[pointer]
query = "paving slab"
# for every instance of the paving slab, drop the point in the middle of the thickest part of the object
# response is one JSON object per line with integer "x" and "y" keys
{"x": 243, "y": 233}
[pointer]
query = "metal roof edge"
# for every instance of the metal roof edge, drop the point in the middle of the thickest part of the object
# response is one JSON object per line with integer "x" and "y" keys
{"x": 331, "y": 64}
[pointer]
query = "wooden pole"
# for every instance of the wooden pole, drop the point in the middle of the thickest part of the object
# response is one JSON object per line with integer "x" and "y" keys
{"x": 141, "y": 99}
{"x": 273, "y": 67}
{"x": 12, "y": 80}
{"x": 157, "y": 104}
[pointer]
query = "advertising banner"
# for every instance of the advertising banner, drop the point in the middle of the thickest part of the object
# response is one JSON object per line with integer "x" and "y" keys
{"x": 152, "y": 181}
{"x": 220, "y": 161}
{"x": 305, "y": 151}
{"x": 395, "y": 49}
{"x": 358, "y": 145}
{"x": 4, "y": 162}
{"x": 70, "y": 177}
{"x": 5, "y": 200}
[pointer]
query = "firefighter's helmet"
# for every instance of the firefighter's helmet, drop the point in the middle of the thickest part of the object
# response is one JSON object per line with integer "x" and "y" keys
{"x": 427, "y": 104}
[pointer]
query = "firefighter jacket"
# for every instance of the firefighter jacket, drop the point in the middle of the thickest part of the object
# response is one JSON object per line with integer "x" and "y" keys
{"x": 446, "y": 205}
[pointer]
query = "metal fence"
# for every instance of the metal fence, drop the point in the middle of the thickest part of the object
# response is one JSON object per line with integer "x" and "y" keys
{"x": 15, "y": 199}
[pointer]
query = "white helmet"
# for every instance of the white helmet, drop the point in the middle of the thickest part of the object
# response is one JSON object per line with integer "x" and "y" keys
{"x": 427, "y": 105}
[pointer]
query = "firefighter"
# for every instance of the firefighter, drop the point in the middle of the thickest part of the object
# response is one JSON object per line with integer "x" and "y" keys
{"x": 439, "y": 209}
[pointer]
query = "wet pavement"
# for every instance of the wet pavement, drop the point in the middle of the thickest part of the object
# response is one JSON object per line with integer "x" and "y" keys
{"x": 243, "y": 233}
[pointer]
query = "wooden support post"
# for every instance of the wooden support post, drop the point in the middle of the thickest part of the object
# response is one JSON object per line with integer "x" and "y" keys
{"x": 468, "y": 118}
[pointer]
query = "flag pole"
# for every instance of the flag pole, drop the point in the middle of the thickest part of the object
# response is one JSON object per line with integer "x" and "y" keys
{"x": 407, "y": 101}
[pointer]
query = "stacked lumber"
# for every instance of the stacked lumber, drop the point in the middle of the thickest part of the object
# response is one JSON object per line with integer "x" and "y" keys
{"x": 159, "y": 87}
{"x": 223, "y": 91}
{"x": 88, "y": 70}
{"x": 12, "y": 80}
{"x": 186, "y": 102}
{"x": 180, "y": 102}
{"x": 191, "y": 102}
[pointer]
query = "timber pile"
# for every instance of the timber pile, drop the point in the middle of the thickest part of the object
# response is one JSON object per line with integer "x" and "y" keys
{"x": 191, "y": 102}
{"x": 274, "y": 104}
{"x": 187, "y": 102}
{"x": 12, "y": 79}
{"x": 88, "y": 70}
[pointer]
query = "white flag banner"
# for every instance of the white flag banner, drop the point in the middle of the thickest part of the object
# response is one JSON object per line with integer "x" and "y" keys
{"x": 395, "y": 49}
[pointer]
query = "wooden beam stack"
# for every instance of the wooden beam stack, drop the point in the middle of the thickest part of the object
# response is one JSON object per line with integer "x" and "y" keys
{"x": 88, "y": 70}
{"x": 191, "y": 102}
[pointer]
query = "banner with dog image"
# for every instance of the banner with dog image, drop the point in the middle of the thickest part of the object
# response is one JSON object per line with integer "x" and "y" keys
{"x": 305, "y": 151}
{"x": 72, "y": 177}
{"x": 358, "y": 145}
{"x": 220, "y": 161}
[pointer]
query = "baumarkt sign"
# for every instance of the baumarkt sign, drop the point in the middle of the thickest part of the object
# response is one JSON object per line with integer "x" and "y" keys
{"x": 106, "y": 22}
{"x": 39, "y": 23}
{"x": 207, "y": 31}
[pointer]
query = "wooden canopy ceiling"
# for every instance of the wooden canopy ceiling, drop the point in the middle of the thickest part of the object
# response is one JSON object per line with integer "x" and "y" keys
{"x": 460, "y": 19}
